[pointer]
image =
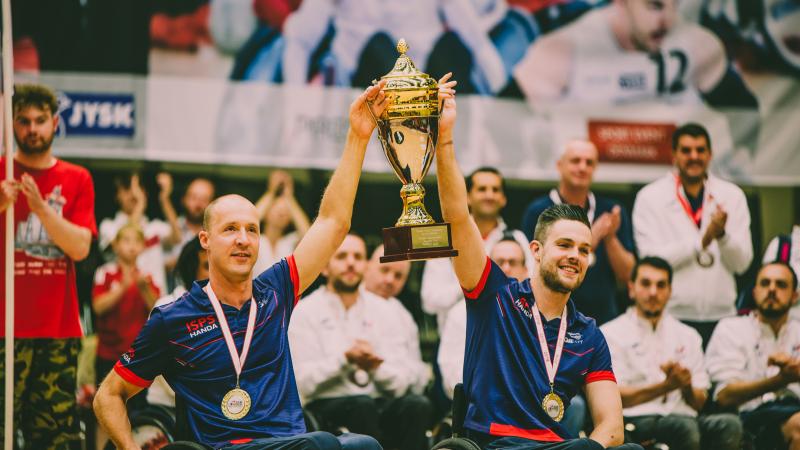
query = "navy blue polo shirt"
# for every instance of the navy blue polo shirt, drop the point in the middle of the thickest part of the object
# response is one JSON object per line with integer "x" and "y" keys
{"x": 597, "y": 296}
{"x": 183, "y": 342}
{"x": 505, "y": 378}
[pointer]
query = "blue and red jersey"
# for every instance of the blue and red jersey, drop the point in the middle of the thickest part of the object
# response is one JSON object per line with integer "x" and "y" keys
{"x": 183, "y": 342}
{"x": 505, "y": 378}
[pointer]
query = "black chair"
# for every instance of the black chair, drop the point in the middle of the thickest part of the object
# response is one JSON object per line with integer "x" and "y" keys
{"x": 457, "y": 441}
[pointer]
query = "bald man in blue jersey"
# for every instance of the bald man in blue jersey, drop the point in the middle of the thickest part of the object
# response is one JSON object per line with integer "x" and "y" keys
{"x": 516, "y": 392}
{"x": 223, "y": 346}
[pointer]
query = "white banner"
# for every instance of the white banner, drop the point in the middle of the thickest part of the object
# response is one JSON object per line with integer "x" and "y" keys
{"x": 240, "y": 123}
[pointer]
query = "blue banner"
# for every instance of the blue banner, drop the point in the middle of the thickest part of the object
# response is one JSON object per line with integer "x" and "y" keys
{"x": 97, "y": 114}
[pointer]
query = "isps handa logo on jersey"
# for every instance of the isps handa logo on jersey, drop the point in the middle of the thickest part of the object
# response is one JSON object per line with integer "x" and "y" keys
{"x": 201, "y": 325}
{"x": 523, "y": 307}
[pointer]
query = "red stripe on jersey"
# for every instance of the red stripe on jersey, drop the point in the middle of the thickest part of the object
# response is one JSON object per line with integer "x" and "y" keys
{"x": 241, "y": 441}
{"x": 496, "y": 429}
{"x": 295, "y": 278}
{"x": 476, "y": 292}
{"x": 131, "y": 377}
{"x": 600, "y": 375}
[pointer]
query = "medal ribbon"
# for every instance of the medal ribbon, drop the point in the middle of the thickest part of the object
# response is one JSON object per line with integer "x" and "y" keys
{"x": 238, "y": 360}
{"x": 551, "y": 368}
{"x": 696, "y": 216}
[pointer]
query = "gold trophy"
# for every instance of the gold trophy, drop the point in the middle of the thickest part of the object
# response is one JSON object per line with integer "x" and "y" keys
{"x": 408, "y": 131}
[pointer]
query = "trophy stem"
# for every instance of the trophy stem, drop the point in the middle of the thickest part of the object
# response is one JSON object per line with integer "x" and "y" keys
{"x": 414, "y": 212}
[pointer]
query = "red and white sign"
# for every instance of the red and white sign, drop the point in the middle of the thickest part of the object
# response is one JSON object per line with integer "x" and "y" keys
{"x": 628, "y": 142}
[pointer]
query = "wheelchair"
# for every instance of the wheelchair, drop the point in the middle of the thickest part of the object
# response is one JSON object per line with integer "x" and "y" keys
{"x": 456, "y": 441}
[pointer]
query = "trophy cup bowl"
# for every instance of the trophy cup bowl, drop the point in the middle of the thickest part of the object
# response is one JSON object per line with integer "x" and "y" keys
{"x": 408, "y": 131}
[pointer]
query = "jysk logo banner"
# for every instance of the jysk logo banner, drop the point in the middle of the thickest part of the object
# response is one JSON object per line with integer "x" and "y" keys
{"x": 97, "y": 114}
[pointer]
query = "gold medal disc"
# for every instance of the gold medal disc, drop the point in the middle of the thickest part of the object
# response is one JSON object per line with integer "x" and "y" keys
{"x": 236, "y": 404}
{"x": 553, "y": 406}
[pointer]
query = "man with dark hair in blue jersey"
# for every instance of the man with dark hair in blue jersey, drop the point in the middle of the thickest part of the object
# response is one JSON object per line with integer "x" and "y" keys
{"x": 223, "y": 346}
{"x": 516, "y": 392}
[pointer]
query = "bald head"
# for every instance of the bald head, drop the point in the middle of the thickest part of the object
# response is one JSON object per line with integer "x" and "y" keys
{"x": 385, "y": 279}
{"x": 577, "y": 164}
{"x": 225, "y": 203}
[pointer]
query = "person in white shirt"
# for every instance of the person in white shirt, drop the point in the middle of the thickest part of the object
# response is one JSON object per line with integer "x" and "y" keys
{"x": 700, "y": 224}
{"x": 349, "y": 360}
{"x": 754, "y": 361}
{"x": 441, "y": 34}
{"x": 279, "y": 209}
{"x": 658, "y": 362}
{"x": 440, "y": 290}
{"x": 631, "y": 50}
{"x": 787, "y": 249}
{"x": 386, "y": 280}
{"x": 158, "y": 234}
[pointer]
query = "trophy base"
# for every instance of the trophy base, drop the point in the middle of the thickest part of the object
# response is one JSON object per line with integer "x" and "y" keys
{"x": 416, "y": 242}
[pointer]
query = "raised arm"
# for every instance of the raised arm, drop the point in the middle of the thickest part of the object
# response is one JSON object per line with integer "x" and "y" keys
{"x": 471, "y": 259}
{"x": 336, "y": 209}
{"x": 164, "y": 181}
{"x": 109, "y": 407}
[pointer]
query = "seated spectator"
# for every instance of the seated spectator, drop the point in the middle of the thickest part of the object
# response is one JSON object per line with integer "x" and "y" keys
{"x": 192, "y": 265}
{"x": 279, "y": 209}
{"x": 754, "y": 361}
{"x": 659, "y": 366}
{"x": 121, "y": 300}
{"x": 786, "y": 248}
{"x": 349, "y": 364}
{"x": 132, "y": 201}
{"x": 386, "y": 280}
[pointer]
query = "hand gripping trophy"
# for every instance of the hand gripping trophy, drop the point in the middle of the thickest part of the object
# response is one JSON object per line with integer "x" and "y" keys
{"x": 408, "y": 131}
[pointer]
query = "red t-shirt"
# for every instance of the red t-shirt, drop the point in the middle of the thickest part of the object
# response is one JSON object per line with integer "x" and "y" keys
{"x": 46, "y": 297}
{"x": 118, "y": 327}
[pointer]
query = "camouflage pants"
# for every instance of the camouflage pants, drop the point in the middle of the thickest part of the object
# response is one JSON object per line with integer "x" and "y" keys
{"x": 45, "y": 382}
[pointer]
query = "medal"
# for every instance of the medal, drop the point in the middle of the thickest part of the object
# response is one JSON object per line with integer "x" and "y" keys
{"x": 704, "y": 258}
{"x": 552, "y": 404}
{"x": 236, "y": 403}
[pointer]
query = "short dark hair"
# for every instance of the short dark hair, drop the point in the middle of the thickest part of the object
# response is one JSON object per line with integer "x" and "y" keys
{"x": 35, "y": 95}
{"x": 189, "y": 262}
{"x": 782, "y": 264}
{"x": 556, "y": 213}
{"x": 690, "y": 129}
{"x": 652, "y": 261}
{"x": 485, "y": 169}
{"x": 123, "y": 181}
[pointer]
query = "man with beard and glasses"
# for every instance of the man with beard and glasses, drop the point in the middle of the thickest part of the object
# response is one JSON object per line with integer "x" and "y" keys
{"x": 54, "y": 224}
{"x": 700, "y": 224}
{"x": 223, "y": 347}
{"x": 754, "y": 361}
{"x": 350, "y": 358}
{"x": 659, "y": 366}
{"x": 517, "y": 393}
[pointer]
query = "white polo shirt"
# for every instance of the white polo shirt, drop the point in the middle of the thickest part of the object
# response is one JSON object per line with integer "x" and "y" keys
{"x": 638, "y": 351}
{"x": 739, "y": 349}
{"x": 322, "y": 330}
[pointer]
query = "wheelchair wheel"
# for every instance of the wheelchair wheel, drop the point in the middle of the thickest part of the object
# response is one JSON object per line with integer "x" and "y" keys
{"x": 457, "y": 443}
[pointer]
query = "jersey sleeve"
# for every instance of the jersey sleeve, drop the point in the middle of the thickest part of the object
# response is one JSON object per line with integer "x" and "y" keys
{"x": 82, "y": 211}
{"x": 490, "y": 282}
{"x": 283, "y": 278}
{"x": 600, "y": 367}
{"x": 148, "y": 356}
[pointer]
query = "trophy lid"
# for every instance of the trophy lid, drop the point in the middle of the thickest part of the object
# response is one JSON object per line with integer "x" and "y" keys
{"x": 414, "y": 93}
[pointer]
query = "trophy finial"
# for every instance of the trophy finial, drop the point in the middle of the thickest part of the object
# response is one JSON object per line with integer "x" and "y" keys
{"x": 402, "y": 47}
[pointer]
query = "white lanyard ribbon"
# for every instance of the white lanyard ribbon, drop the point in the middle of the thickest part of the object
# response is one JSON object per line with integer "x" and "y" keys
{"x": 238, "y": 360}
{"x": 551, "y": 368}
